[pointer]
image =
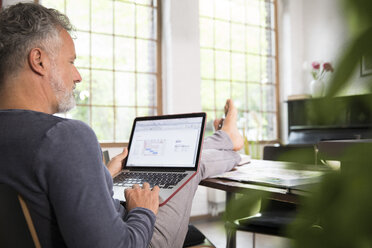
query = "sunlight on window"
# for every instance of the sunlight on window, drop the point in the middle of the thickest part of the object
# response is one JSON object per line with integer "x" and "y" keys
{"x": 116, "y": 45}
{"x": 238, "y": 61}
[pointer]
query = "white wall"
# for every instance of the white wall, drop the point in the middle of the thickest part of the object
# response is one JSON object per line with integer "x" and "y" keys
{"x": 181, "y": 56}
{"x": 310, "y": 30}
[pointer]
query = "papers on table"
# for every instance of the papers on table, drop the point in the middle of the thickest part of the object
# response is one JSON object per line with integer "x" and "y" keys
{"x": 245, "y": 159}
{"x": 272, "y": 173}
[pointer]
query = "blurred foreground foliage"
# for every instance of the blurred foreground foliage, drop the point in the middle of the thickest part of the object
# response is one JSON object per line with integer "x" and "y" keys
{"x": 339, "y": 212}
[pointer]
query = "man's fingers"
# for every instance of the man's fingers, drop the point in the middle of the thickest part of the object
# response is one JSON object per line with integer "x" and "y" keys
{"x": 156, "y": 189}
{"x": 122, "y": 155}
{"x": 146, "y": 186}
{"x": 135, "y": 186}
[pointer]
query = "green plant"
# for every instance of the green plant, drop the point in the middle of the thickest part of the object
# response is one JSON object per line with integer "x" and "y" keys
{"x": 339, "y": 212}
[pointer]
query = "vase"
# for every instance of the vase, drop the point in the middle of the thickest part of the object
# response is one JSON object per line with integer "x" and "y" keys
{"x": 317, "y": 88}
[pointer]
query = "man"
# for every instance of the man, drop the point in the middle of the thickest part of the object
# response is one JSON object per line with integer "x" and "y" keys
{"x": 56, "y": 163}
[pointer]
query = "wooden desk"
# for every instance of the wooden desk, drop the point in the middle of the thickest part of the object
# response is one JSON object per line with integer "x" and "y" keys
{"x": 277, "y": 192}
{"x": 289, "y": 194}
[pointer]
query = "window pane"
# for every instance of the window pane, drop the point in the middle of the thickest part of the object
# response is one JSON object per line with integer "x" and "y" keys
{"x": 267, "y": 42}
{"x": 78, "y": 13}
{"x": 146, "y": 93}
{"x": 146, "y": 111}
{"x": 222, "y": 93}
{"x": 269, "y": 98}
{"x": 237, "y": 37}
{"x": 222, "y": 9}
{"x": 146, "y": 2}
{"x": 254, "y": 100}
{"x": 268, "y": 70}
{"x": 253, "y": 12}
{"x": 222, "y": 65}
{"x": 206, "y": 28}
{"x": 255, "y": 126}
{"x": 103, "y": 123}
{"x": 125, "y": 117}
{"x": 124, "y": 89}
{"x": 209, "y": 127}
{"x": 124, "y": 54}
{"x": 102, "y": 51}
{"x": 238, "y": 10}
{"x": 267, "y": 14}
{"x": 207, "y": 99}
{"x": 269, "y": 126}
{"x": 102, "y": 16}
{"x": 82, "y": 49}
{"x": 238, "y": 56}
{"x": 124, "y": 18}
{"x": 222, "y": 35}
{"x": 146, "y": 26}
{"x": 238, "y": 94}
{"x": 102, "y": 88}
{"x": 206, "y": 7}
{"x": 80, "y": 113}
{"x": 55, "y": 4}
{"x": 82, "y": 91}
{"x": 238, "y": 66}
{"x": 207, "y": 63}
{"x": 253, "y": 68}
{"x": 253, "y": 40}
{"x": 115, "y": 41}
{"x": 146, "y": 51}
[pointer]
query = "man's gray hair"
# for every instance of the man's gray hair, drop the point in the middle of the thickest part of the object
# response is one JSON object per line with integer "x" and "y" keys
{"x": 25, "y": 26}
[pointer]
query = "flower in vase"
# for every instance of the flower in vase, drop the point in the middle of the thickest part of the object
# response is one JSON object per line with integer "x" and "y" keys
{"x": 320, "y": 70}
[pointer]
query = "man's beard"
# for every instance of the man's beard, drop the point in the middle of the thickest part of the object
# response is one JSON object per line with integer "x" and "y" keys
{"x": 65, "y": 97}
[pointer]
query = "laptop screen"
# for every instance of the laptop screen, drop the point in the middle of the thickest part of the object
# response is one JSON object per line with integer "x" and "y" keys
{"x": 167, "y": 141}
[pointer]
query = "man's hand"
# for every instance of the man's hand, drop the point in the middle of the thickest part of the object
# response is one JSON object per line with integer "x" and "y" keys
{"x": 115, "y": 164}
{"x": 143, "y": 197}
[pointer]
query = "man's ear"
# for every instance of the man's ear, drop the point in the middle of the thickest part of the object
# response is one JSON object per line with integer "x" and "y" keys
{"x": 38, "y": 61}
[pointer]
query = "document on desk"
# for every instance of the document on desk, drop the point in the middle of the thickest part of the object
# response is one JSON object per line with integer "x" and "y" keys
{"x": 266, "y": 173}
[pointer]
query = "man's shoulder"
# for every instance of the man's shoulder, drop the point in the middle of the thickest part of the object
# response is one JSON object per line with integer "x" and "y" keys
{"x": 33, "y": 123}
{"x": 70, "y": 128}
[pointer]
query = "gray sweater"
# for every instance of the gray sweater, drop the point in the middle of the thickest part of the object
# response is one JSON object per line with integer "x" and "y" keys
{"x": 56, "y": 165}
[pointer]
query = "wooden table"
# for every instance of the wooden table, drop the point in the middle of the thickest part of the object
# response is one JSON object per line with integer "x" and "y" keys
{"x": 291, "y": 194}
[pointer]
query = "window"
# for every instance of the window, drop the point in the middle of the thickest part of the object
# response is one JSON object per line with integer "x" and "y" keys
{"x": 238, "y": 61}
{"x": 117, "y": 46}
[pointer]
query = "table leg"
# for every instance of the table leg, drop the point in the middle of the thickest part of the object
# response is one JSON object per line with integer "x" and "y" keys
{"x": 229, "y": 227}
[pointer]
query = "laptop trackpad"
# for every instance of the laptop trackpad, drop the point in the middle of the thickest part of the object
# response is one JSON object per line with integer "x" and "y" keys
{"x": 119, "y": 194}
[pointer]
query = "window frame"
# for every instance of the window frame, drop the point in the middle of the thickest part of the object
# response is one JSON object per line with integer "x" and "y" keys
{"x": 276, "y": 77}
{"x": 158, "y": 73}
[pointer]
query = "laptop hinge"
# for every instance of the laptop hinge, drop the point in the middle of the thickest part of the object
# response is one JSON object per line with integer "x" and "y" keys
{"x": 156, "y": 169}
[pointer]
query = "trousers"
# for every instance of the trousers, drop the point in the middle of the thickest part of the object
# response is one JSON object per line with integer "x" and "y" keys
{"x": 172, "y": 219}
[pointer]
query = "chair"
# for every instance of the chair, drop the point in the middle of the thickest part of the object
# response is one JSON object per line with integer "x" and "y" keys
{"x": 16, "y": 227}
{"x": 304, "y": 154}
{"x": 194, "y": 238}
{"x": 274, "y": 219}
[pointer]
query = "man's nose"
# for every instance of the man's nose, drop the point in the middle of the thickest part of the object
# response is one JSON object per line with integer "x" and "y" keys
{"x": 77, "y": 76}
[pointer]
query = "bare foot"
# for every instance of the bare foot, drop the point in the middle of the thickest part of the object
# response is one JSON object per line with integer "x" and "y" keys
{"x": 230, "y": 127}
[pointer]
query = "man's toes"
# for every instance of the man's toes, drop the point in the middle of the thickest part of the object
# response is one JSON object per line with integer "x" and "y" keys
{"x": 217, "y": 123}
{"x": 226, "y": 108}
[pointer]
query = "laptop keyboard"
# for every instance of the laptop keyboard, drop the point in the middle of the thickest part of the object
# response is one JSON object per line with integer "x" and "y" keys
{"x": 163, "y": 180}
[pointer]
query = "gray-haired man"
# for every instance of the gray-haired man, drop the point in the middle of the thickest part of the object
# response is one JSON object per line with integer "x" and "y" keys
{"x": 56, "y": 163}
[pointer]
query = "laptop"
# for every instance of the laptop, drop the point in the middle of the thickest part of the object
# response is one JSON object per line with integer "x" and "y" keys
{"x": 164, "y": 151}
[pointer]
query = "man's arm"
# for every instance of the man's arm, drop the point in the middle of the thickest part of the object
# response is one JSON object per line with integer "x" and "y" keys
{"x": 76, "y": 181}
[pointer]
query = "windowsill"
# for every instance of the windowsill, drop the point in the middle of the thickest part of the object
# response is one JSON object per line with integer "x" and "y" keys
{"x": 108, "y": 145}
